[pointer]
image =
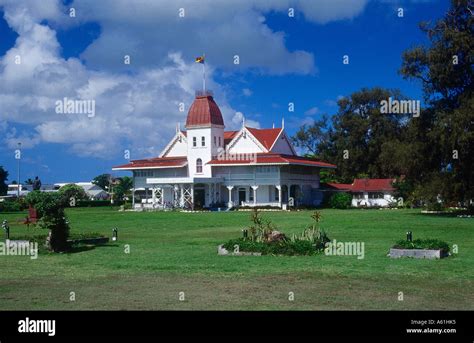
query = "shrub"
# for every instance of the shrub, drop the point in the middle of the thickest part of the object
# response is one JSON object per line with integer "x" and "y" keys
{"x": 290, "y": 248}
{"x": 72, "y": 193}
{"x": 11, "y": 206}
{"x": 93, "y": 203}
{"x": 340, "y": 200}
{"x": 50, "y": 207}
{"x": 423, "y": 244}
{"x": 435, "y": 206}
{"x": 261, "y": 227}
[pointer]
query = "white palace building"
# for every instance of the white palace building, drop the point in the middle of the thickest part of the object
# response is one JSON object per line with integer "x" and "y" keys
{"x": 208, "y": 167}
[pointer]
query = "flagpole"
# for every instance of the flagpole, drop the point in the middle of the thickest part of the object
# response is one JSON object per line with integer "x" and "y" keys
{"x": 204, "y": 74}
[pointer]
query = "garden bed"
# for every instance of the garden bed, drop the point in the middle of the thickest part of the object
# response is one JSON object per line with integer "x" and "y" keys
{"x": 420, "y": 248}
{"x": 418, "y": 253}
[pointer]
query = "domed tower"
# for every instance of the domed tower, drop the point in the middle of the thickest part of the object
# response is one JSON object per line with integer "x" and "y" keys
{"x": 205, "y": 133}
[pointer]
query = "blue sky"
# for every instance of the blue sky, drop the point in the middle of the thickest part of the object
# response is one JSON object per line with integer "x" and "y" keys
{"x": 282, "y": 60}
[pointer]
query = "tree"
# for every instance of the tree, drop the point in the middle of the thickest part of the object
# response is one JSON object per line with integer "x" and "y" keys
{"x": 71, "y": 193}
{"x": 3, "y": 181}
{"x": 445, "y": 129}
{"x": 313, "y": 138}
{"x": 125, "y": 184}
{"x": 357, "y": 137}
{"x": 50, "y": 208}
{"x": 103, "y": 181}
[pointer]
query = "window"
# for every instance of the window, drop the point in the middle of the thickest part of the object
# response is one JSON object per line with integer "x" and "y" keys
{"x": 376, "y": 195}
{"x": 194, "y": 141}
{"x": 203, "y": 141}
{"x": 219, "y": 141}
{"x": 215, "y": 140}
{"x": 198, "y": 166}
{"x": 359, "y": 195}
{"x": 276, "y": 194}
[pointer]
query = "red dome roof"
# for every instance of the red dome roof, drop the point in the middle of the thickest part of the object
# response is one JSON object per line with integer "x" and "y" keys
{"x": 204, "y": 112}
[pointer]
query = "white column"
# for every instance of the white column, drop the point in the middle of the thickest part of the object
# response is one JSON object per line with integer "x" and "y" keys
{"x": 153, "y": 195}
{"x": 192, "y": 196}
{"x": 229, "y": 204}
{"x": 254, "y": 195}
{"x": 181, "y": 195}
{"x": 175, "y": 195}
{"x": 279, "y": 194}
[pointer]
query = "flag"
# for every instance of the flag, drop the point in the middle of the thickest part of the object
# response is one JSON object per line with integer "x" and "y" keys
{"x": 199, "y": 59}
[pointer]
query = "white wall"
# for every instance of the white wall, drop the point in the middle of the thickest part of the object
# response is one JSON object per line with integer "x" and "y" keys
{"x": 179, "y": 148}
{"x": 245, "y": 144}
{"x": 365, "y": 201}
{"x": 204, "y": 153}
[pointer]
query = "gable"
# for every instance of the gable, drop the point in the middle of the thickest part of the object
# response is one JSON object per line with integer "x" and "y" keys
{"x": 245, "y": 142}
{"x": 178, "y": 146}
{"x": 282, "y": 146}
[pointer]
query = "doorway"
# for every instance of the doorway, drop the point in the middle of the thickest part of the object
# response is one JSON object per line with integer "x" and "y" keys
{"x": 242, "y": 195}
{"x": 199, "y": 197}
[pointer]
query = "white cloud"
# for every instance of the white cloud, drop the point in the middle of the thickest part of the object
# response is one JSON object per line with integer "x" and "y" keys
{"x": 238, "y": 120}
{"x": 137, "y": 105}
{"x": 312, "y": 111}
{"x": 247, "y": 92}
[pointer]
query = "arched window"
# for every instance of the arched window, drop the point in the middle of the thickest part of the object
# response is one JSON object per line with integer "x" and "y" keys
{"x": 198, "y": 165}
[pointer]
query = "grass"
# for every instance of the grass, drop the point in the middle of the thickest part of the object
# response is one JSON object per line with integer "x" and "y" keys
{"x": 172, "y": 252}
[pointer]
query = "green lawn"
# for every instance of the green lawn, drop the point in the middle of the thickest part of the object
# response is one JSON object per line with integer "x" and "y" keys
{"x": 172, "y": 252}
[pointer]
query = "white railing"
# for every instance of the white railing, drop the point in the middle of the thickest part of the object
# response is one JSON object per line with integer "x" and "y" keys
{"x": 251, "y": 203}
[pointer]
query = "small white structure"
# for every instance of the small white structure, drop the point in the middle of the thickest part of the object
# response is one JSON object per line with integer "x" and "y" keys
{"x": 206, "y": 166}
{"x": 24, "y": 190}
{"x": 368, "y": 192}
{"x": 93, "y": 191}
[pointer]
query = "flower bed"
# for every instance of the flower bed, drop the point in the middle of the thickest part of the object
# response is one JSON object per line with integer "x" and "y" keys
{"x": 420, "y": 248}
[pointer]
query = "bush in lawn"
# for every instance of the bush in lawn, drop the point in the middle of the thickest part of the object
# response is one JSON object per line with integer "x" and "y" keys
{"x": 290, "y": 248}
{"x": 50, "y": 207}
{"x": 261, "y": 227}
{"x": 13, "y": 205}
{"x": 72, "y": 193}
{"x": 430, "y": 244}
{"x": 340, "y": 200}
{"x": 434, "y": 206}
{"x": 312, "y": 241}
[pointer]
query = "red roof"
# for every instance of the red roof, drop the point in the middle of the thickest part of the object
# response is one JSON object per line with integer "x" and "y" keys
{"x": 270, "y": 158}
{"x": 372, "y": 185}
{"x": 340, "y": 186}
{"x": 158, "y": 162}
{"x": 266, "y": 137}
{"x": 204, "y": 112}
{"x": 228, "y": 136}
{"x": 365, "y": 185}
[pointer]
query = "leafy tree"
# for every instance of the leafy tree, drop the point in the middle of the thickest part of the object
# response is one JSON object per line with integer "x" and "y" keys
{"x": 71, "y": 193}
{"x": 313, "y": 138}
{"x": 340, "y": 200}
{"x": 28, "y": 182}
{"x": 36, "y": 184}
{"x": 123, "y": 188}
{"x": 50, "y": 207}
{"x": 3, "y": 181}
{"x": 357, "y": 137}
{"x": 103, "y": 181}
{"x": 444, "y": 132}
